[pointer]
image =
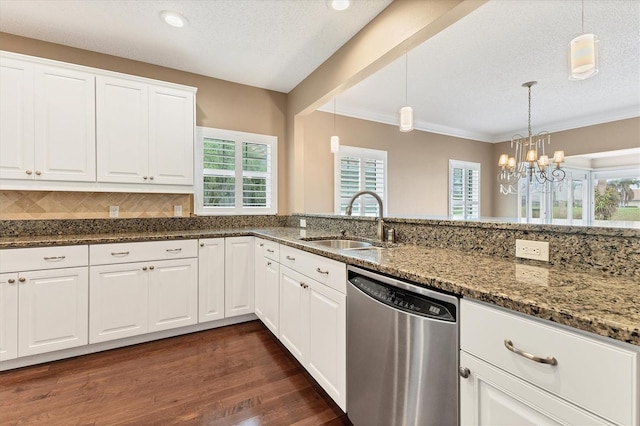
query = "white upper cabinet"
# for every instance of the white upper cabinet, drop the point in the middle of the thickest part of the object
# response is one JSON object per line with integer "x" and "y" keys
{"x": 78, "y": 128}
{"x": 145, "y": 133}
{"x": 47, "y": 122}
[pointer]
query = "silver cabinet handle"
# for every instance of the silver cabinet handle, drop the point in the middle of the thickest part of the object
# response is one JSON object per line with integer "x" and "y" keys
{"x": 291, "y": 258}
{"x": 303, "y": 285}
{"x": 150, "y": 177}
{"x": 11, "y": 281}
{"x": 29, "y": 172}
{"x": 548, "y": 360}
{"x": 268, "y": 263}
{"x": 55, "y": 258}
{"x": 144, "y": 268}
{"x": 22, "y": 279}
{"x": 201, "y": 244}
{"x": 144, "y": 177}
{"x": 119, "y": 253}
{"x": 152, "y": 267}
{"x": 178, "y": 250}
{"x": 321, "y": 271}
{"x": 261, "y": 245}
{"x": 38, "y": 172}
{"x": 463, "y": 372}
{"x": 270, "y": 251}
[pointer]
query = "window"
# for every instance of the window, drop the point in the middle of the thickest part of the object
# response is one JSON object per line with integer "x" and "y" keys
{"x": 237, "y": 172}
{"x": 358, "y": 169}
{"x": 464, "y": 190}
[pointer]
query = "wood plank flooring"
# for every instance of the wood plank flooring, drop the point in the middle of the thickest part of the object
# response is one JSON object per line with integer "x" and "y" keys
{"x": 238, "y": 374}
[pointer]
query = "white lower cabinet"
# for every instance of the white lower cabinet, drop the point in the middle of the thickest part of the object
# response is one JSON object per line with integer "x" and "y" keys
{"x": 239, "y": 276}
{"x": 526, "y": 371}
{"x": 267, "y": 284}
{"x": 211, "y": 279}
{"x": 128, "y": 299}
{"x": 313, "y": 328}
{"x": 43, "y": 300}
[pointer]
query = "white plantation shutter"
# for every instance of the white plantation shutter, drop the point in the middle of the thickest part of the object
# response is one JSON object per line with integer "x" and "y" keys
{"x": 358, "y": 169}
{"x": 238, "y": 174}
{"x": 464, "y": 189}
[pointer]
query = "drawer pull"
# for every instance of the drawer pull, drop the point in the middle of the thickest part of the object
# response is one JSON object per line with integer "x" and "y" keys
{"x": 549, "y": 360}
{"x": 291, "y": 258}
{"x": 268, "y": 263}
{"x": 151, "y": 268}
{"x": 178, "y": 250}
{"x": 22, "y": 279}
{"x": 144, "y": 268}
{"x": 55, "y": 257}
{"x": 303, "y": 285}
{"x": 201, "y": 244}
{"x": 119, "y": 253}
{"x": 11, "y": 281}
{"x": 261, "y": 245}
{"x": 320, "y": 271}
{"x": 270, "y": 251}
{"x": 464, "y": 372}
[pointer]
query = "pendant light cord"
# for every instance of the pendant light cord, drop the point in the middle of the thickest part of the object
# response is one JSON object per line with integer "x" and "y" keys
{"x": 334, "y": 115}
{"x": 529, "y": 128}
{"x": 582, "y": 16}
{"x": 406, "y": 79}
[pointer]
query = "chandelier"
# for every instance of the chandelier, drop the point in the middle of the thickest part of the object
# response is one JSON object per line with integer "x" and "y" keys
{"x": 529, "y": 159}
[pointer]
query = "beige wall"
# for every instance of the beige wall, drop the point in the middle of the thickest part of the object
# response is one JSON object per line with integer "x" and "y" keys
{"x": 219, "y": 103}
{"x": 623, "y": 134}
{"x": 418, "y": 164}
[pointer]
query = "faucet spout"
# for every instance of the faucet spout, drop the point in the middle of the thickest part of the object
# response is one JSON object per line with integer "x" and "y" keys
{"x": 349, "y": 209}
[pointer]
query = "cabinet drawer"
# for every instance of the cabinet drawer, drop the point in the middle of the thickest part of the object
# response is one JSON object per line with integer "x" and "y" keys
{"x": 106, "y": 254}
{"x": 270, "y": 249}
{"x": 596, "y": 375}
{"x": 321, "y": 269}
{"x": 31, "y": 259}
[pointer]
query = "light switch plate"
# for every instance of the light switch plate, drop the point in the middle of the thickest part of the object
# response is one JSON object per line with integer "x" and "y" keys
{"x": 303, "y": 223}
{"x": 537, "y": 250}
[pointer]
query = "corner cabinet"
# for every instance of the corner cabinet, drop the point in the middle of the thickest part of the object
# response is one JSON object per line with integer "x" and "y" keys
{"x": 145, "y": 133}
{"x": 47, "y": 122}
{"x": 521, "y": 370}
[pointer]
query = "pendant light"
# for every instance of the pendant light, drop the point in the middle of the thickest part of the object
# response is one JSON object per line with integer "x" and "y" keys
{"x": 583, "y": 54}
{"x": 335, "y": 140}
{"x": 406, "y": 112}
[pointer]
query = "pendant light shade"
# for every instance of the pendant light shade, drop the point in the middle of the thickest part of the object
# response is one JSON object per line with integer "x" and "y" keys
{"x": 335, "y": 144}
{"x": 406, "y": 119}
{"x": 583, "y": 57}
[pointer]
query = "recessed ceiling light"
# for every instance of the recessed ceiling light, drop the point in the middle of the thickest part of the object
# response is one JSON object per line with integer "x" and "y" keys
{"x": 340, "y": 4}
{"x": 173, "y": 18}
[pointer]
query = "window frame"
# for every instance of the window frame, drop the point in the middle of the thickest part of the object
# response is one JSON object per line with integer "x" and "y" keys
{"x": 466, "y": 166}
{"x": 238, "y": 138}
{"x": 361, "y": 154}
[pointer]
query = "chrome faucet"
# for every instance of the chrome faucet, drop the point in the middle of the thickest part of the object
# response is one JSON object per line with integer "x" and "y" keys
{"x": 380, "y": 210}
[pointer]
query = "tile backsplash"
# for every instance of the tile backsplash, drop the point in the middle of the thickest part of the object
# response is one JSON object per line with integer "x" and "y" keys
{"x": 28, "y": 205}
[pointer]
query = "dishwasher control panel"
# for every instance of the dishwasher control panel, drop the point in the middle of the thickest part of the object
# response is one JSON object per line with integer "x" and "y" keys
{"x": 404, "y": 300}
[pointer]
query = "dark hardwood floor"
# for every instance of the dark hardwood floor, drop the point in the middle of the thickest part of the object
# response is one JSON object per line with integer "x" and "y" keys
{"x": 238, "y": 374}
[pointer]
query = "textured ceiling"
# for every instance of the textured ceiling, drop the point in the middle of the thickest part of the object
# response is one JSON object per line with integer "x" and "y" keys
{"x": 273, "y": 44}
{"x": 466, "y": 81}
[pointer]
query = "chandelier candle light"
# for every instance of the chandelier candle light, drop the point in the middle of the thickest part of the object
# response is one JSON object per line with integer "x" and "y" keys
{"x": 526, "y": 161}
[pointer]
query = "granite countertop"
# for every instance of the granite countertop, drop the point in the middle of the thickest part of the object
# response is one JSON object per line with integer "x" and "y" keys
{"x": 583, "y": 299}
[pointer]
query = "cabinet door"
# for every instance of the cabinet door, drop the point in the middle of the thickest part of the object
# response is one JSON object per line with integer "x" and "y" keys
{"x": 52, "y": 310}
{"x": 171, "y": 132}
{"x": 8, "y": 316}
{"x": 294, "y": 302}
{"x": 16, "y": 119}
{"x": 173, "y": 293}
{"x": 490, "y": 396}
{"x": 118, "y": 302}
{"x": 271, "y": 296}
{"x": 239, "y": 276}
{"x": 260, "y": 276}
{"x": 65, "y": 134}
{"x": 211, "y": 279}
{"x": 122, "y": 116}
{"x": 326, "y": 361}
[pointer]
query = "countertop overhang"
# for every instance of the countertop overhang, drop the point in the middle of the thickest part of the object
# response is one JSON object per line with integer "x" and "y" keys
{"x": 587, "y": 300}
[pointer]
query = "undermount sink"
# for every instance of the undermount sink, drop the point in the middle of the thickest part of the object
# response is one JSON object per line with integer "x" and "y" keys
{"x": 342, "y": 244}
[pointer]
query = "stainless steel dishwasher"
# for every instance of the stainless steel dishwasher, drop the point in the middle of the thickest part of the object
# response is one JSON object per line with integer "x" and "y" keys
{"x": 402, "y": 353}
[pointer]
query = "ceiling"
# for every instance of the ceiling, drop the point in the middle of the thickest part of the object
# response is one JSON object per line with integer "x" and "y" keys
{"x": 466, "y": 81}
{"x": 272, "y": 44}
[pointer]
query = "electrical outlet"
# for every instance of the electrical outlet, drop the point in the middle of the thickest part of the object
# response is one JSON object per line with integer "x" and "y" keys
{"x": 177, "y": 211}
{"x": 303, "y": 223}
{"x": 303, "y": 233}
{"x": 537, "y": 250}
{"x": 114, "y": 211}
